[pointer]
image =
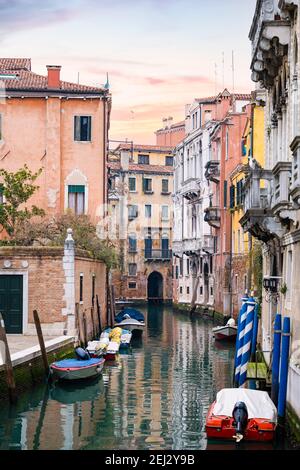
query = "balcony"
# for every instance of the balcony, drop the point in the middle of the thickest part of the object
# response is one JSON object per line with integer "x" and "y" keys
{"x": 270, "y": 36}
{"x": 213, "y": 216}
{"x": 282, "y": 207}
{"x": 208, "y": 244}
{"x": 259, "y": 218}
{"x": 158, "y": 255}
{"x": 295, "y": 182}
{"x": 212, "y": 171}
{"x": 191, "y": 190}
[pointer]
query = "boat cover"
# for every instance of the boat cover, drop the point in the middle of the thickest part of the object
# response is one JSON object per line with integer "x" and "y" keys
{"x": 113, "y": 347}
{"x": 132, "y": 313}
{"x": 71, "y": 363}
{"x": 258, "y": 403}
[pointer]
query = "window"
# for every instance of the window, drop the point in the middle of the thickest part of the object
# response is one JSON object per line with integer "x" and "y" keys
{"x": 181, "y": 266}
{"x": 169, "y": 161}
{"x": 165, "y": 212}
{"x": 289, "y": 267}
{"x": 201, "y": 290}
{"x": 76, "y": 197}
{"x": 176, "y": 272}
{"x": 188, "y": 266}
{"x": 180, "y": 290}
{"x": 132, "y": 285}
{"x": 82, "y": 128}
{"x": 132, "y": 184}
{"x": 207, "y": 115}
{"x": 132, "y": 212}
{"x": 143, "y": 159}
{"x": 165, "y": 186}
{"x": 148, "y": 208}
{"x": 132, "y": 243}
{"x": 147, "y": 185}
{"x": 132, "y": 267}
{"x": 211, "y": 291}
{"x": 81, "y": 288}
{"x": 187, "y": 290}
{"x": 232, "y": 197}
{"x": 227, "y": 145}
{"x": 225, "y": 193}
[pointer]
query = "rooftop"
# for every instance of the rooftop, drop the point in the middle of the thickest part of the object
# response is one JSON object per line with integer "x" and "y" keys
{"x": 24, "y": 79}
{"x": 143, "y": 148}
{"x": 134, "y": 167}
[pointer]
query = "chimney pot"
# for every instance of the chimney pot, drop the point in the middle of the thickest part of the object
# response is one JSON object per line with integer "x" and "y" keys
{"x": 53, "y": 76}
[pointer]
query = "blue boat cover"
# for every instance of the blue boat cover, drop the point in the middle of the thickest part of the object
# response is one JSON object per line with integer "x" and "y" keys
{"x": 135, "y": 314}
{"x": 65, "y": 363}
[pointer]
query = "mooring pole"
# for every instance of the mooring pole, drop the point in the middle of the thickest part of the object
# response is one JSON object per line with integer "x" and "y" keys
{"x": 41, "y": 341}
{"x": 9, "y": 372}
{"x": 284, "y": 368}
{"x": 276, "y": 359}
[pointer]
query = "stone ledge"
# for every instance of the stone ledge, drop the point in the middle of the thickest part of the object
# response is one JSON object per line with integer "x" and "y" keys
{"x": 33, "y": 352}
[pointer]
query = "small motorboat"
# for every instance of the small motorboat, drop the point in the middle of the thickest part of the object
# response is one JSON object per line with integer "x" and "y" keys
{"x": 239, "y": 414}
{"x": 130, "y": 319}
{"x": 227, "y": 332}
{"x": 81, "y": 367}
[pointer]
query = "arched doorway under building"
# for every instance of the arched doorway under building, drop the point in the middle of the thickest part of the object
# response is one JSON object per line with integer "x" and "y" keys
{"x": 155, "y": 287}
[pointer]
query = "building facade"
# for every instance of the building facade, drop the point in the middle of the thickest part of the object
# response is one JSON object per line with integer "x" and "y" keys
{"x": 202, "y": 245}
{"x": 61, "y": 127}
{"x": 170, "y": 134}
{"x": 141, "y": 218}
{"x": 272, "y": 190}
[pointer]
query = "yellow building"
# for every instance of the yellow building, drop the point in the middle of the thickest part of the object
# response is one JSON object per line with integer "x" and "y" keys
{"x": 140, "y": 208}
{"x": 252, "y": 147}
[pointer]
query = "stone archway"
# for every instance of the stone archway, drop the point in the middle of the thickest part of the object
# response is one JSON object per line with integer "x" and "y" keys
{"x": 155, "y": 287}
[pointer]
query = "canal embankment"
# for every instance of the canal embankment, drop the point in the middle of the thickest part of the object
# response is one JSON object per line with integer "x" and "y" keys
{"x": 27, "y": 361}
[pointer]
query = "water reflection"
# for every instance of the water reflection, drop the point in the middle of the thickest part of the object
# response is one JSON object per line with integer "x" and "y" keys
{"x": 155, "y": 396}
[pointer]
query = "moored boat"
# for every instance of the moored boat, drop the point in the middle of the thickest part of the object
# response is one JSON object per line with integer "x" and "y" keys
{"x": 130, "y": 319}
{"x": 76, "y": 369}
{"x": 239, "y": 413}
{"x": 227, "y": 332}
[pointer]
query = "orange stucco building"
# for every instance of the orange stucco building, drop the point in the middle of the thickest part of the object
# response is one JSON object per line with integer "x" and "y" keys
{"x": 59, "y": 126}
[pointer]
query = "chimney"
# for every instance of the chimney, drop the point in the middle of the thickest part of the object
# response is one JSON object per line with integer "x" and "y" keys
{"x": 170, "y": 121}
{"x": 53, "y": 76}
{"x": 165, "y": 123}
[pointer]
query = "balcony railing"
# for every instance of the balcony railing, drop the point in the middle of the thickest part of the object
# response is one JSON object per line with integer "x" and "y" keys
{"x": 212, "y": 171}
{"x": 164, "y": 255}
{"x": 213, "y": 216}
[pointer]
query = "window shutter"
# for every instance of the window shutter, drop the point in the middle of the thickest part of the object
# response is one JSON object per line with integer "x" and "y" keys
{"x": 77, "y": 128}
{"x": 75, "y": 188}
{"x": 225, "y": 193}
{"x": 232, "y": 197}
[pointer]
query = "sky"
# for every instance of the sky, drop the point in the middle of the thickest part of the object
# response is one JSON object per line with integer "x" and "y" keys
{"x": 159, "y": 54}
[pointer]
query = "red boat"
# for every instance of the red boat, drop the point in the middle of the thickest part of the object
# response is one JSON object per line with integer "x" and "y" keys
{"x": 242, "y": 414}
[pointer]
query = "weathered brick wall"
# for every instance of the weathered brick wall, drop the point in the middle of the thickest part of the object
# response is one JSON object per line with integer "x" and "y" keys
{"x": 239, "y": 271}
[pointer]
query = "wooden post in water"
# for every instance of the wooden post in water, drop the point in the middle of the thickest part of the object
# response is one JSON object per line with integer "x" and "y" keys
{"x": 41, "y": 341}
{"x": 10, "y": 380}
{"x": 85, "y": 335}
{"x": 99, "y": 314}
{"x": 93, "y": 323}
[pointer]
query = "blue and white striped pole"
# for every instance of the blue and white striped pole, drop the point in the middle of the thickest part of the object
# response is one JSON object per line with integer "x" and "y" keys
{"x": 248, "y": 335}
{"x": 284, "y": 367}
{"x": 276, "y": 358}
{"x": 240, "y": 340}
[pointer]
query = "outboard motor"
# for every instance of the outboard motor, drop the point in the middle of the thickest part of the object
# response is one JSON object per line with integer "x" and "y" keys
{"x": 82, "y": 354}
{"x": 240, "y": 416}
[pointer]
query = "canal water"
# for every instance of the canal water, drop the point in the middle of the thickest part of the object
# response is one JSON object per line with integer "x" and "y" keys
{"x": 154, "y": 397}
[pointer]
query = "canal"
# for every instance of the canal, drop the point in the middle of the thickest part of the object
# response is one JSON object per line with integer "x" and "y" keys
{"x": 154, "y": 397}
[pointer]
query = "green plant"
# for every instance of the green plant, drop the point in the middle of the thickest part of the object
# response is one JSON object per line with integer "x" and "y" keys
{"x": 17, "y": 188}
{"x": 283, "y": 289}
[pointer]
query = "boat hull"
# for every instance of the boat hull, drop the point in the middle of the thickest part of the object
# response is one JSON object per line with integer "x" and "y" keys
{"x": 77, "y": 373}
{"x": 225, "y": 333}
{"x": 131, "y": 325}
{"x": 222, "y": 427}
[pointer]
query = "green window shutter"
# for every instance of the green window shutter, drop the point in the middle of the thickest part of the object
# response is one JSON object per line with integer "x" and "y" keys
{"x": 232, "y": 197}
{"x": 76, "y": 188}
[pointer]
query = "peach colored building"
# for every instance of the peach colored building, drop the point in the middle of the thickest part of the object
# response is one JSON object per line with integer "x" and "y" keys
{"x": 59, "y": 126}
{"x": 170, "y": 134}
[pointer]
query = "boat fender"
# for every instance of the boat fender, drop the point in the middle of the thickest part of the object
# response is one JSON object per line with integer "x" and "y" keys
{"x": 82, "y": 354}
{"x": 240, "y": 416}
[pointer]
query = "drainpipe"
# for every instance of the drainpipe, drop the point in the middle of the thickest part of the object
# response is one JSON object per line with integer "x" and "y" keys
{"x": 230, "y": 268}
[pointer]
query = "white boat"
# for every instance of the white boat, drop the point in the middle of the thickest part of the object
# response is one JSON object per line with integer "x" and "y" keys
{"x": 131, "y": 324}
{"x": 227, "y": 332}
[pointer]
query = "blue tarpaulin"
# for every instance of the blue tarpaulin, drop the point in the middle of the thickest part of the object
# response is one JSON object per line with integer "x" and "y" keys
{"x": 135, "y": 314}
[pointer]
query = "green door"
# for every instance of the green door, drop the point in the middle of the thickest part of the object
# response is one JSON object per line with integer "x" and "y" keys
{"x": 11, "y": 301}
